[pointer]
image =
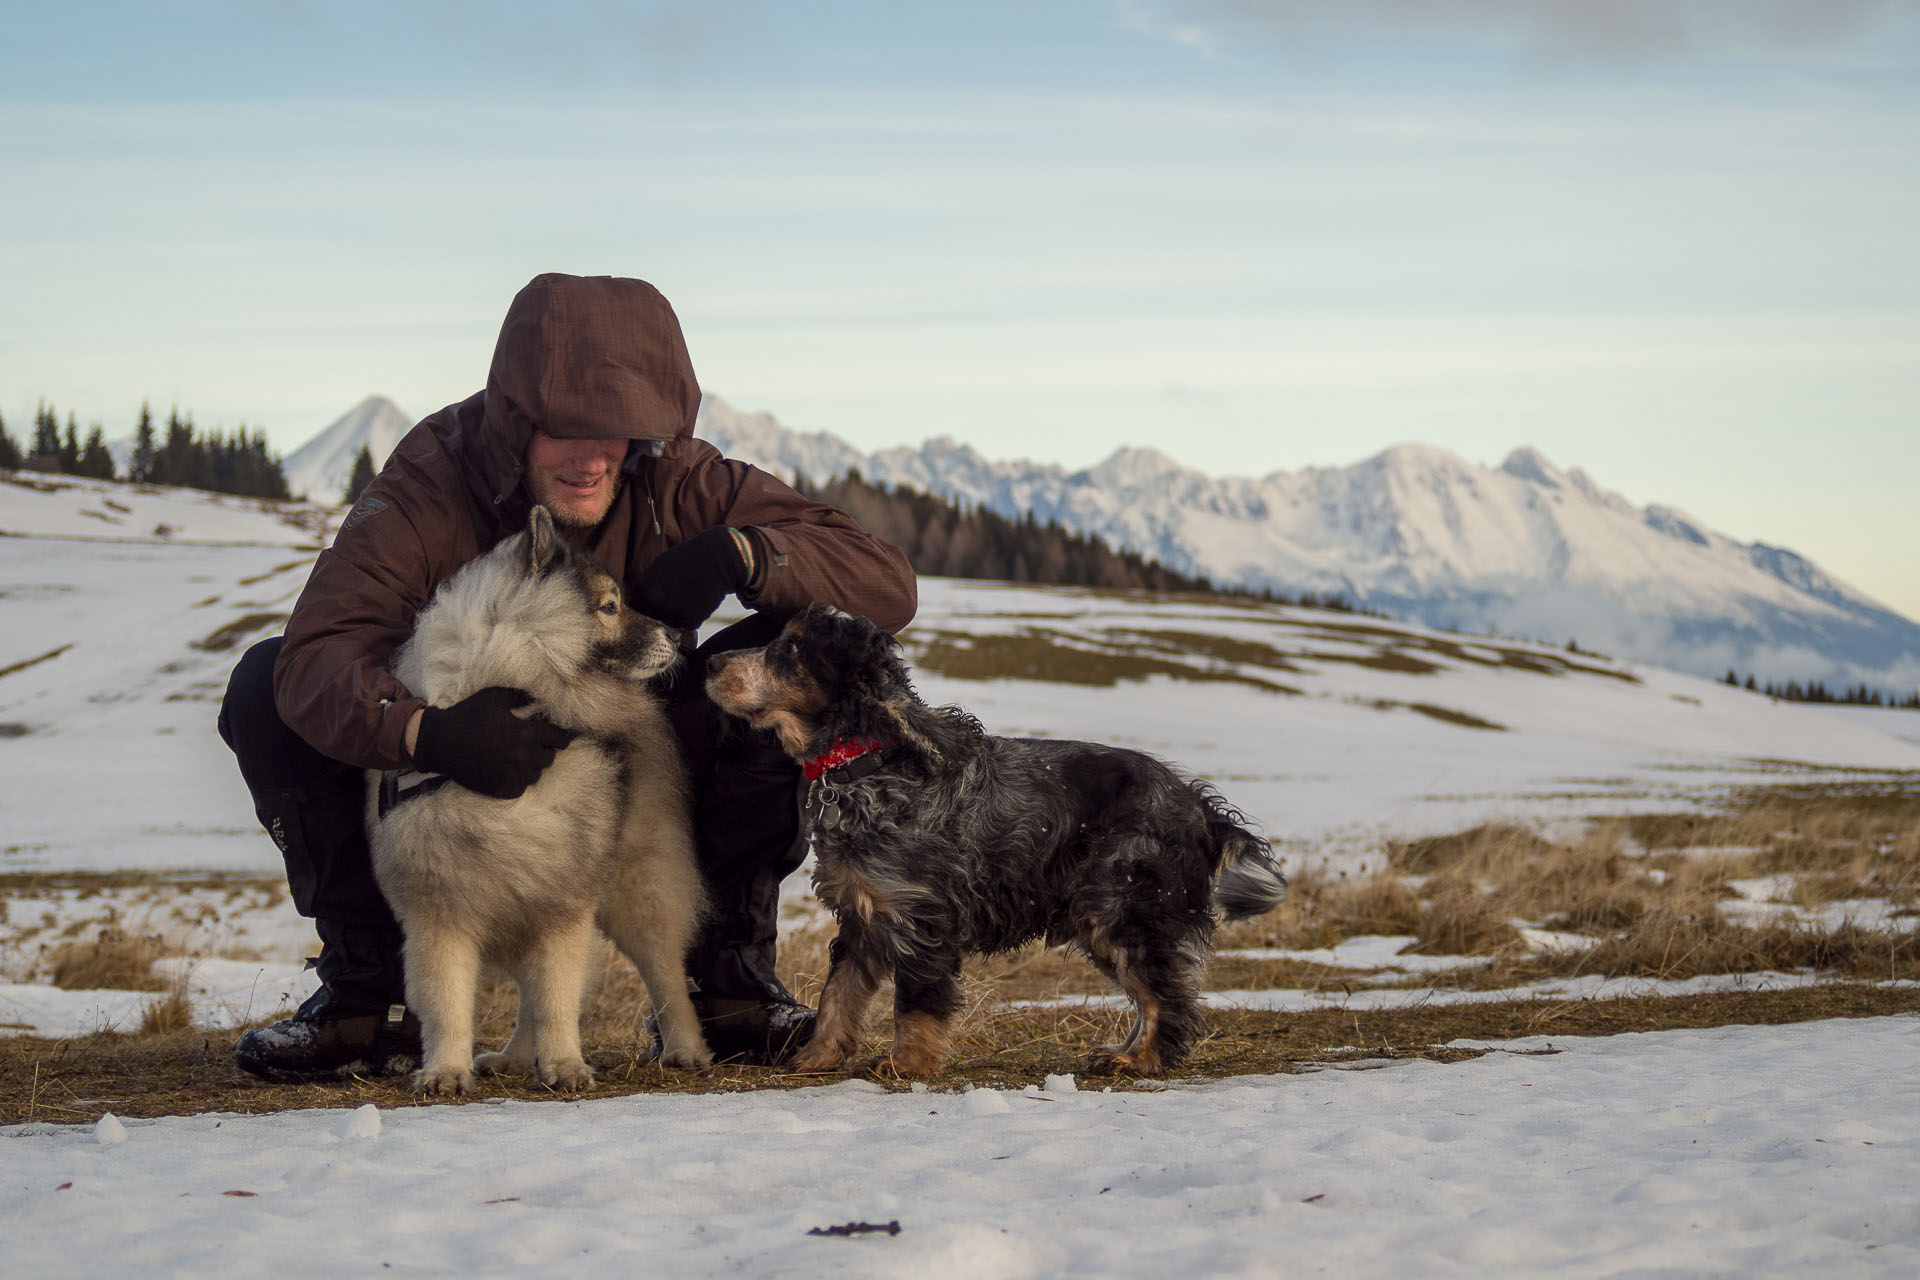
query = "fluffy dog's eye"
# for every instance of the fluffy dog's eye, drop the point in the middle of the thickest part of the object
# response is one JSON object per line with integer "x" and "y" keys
{"x": 610, "y": 608}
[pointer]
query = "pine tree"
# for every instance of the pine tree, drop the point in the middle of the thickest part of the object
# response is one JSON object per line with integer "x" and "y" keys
{"x": 362, "y": 475}
{"x": 70, "y": 447}
{"x": 9, "y": 448}
{"x": 96, "y": 459}
{"x": 271, "y": 480}
{"x": 46, "y": 431}
{"x": 175, "y": 464}
{"x": 145, "y": 455}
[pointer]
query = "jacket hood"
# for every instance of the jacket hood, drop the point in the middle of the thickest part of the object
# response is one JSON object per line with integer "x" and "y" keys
{"x": 594, "y": 356}
{"x": 584, "y": 356}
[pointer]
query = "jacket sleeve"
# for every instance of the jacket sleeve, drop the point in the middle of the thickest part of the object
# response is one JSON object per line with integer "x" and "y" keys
{"x": 815, "y": 553}
{"x": 331, "y": 682}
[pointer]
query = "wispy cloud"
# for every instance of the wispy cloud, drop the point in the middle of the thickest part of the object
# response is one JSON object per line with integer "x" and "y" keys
{"x": 1597, "y": 28}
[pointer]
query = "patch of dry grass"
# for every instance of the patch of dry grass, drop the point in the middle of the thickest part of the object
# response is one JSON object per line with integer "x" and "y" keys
{"x": 171, "y": 1013}
{"x": 111, "y": 960}
{"x": 187, "y": 1072}
{"x": 226, "y": 637}
{"x": 1036, "y": 654}
{"x": 1646, "y": 892}
{"x": 1324, "y": 907}
{"x": 1448, "y": 715}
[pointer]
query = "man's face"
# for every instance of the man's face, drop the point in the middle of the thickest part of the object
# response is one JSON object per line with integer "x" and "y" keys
{"x": 574, "y": 479}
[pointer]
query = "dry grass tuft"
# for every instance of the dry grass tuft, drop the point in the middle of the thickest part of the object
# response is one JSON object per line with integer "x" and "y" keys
{"x": 1457, "y": 921}
{"x": 110, "y": 961}
{"x": 1325, "y": 907}
{"x": 1478, "y": 848}
{"x": 171, "y": 1013}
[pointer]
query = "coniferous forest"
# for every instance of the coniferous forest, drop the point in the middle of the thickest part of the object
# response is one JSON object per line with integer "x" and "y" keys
{"x": 175, "y": 454}
{"x": 949, "y": 540}
{"x": 1857, "y": 695}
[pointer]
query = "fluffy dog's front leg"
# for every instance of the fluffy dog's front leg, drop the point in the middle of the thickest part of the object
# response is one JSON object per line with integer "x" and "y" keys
{"x": 442, "y": 970}
{"x": 552, "y": 979}
{"x": 851, "y": 982}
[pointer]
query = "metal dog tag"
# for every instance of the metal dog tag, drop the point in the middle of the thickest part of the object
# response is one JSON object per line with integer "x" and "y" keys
{"x": 829, "y": 806}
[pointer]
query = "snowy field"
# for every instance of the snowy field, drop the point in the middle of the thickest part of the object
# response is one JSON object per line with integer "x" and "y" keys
{"x": 1778, "y": 1150}
{"x": 117, "y": 647}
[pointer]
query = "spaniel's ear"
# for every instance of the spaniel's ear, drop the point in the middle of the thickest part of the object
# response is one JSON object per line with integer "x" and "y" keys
{"x": 544, "y": 548}
{"x": 881, "y": 654}
{"x": 904, "y": 711}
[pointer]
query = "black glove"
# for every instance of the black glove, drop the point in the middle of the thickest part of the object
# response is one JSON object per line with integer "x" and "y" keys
{"x": 483, "y": 746}
{"x": 750, "y": 632}
{"x": 686, "y": 583}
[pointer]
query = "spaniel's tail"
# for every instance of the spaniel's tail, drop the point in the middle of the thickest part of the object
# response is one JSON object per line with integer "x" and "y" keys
{"x": 1249, "y": 882}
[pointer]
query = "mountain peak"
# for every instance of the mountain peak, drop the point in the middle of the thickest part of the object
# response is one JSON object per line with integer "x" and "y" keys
{"x": 321, "y": 467}
{"x": 1528, "y": 463}
{"x": 1134, "y": 465}
{"x": 1412, "y": 456}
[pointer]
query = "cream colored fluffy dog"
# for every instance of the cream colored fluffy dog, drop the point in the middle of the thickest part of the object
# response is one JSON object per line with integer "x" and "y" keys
{"x": 603, "y": 837}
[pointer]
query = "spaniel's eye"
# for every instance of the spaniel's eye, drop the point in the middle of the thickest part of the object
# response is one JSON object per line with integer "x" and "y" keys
{"x": 610, "y": 608}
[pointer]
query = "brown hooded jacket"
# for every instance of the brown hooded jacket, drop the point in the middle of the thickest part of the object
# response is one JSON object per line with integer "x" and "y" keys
{"x": 601, "y": 357}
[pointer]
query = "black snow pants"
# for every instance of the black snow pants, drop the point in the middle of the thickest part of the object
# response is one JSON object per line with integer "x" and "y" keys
{"x": 745, "y": 813}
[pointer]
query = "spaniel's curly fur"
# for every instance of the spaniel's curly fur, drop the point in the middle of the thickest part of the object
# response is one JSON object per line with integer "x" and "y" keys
{"x": 947, "y": 841}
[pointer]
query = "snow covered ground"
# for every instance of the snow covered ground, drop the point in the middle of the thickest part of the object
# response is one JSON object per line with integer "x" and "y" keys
{"x": 1779, "y": 1151}
{"x": 1740, "y": 1150}
{"x": 116, "y": 651}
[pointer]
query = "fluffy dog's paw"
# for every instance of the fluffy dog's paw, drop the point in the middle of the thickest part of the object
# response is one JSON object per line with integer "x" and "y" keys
{"x": 568, "y": 1076}
{"x": 443, "y": 1080}
{"x": 501, "y": 1064}
{"x": 687, "y": 1059}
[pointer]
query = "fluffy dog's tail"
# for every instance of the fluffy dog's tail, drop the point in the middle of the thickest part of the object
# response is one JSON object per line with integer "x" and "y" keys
{"x": 1249, "y": 881}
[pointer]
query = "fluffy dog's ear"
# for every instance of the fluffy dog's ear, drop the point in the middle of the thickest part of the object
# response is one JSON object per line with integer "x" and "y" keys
{"x": 543, "y": 542}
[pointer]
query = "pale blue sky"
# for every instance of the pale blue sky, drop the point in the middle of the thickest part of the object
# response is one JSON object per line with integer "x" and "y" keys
{"x": 1670, "y": 241}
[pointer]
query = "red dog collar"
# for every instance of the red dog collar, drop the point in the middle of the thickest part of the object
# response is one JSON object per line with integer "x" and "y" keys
{"x": 842, "y": 752}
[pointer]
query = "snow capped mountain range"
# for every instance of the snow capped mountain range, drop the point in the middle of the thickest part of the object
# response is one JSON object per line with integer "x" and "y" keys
{"x": 1416, "y": 532}
{"x": 321, "y": 467}
{"x": 1523, "y": 549}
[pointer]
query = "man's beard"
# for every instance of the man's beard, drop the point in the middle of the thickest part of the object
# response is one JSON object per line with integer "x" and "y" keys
{"x": 543, "y": 493}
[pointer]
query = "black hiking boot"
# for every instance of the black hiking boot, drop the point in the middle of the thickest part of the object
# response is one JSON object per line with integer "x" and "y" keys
{"x": 761, "y": 1030}
{"x": 328, "y": 1040}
